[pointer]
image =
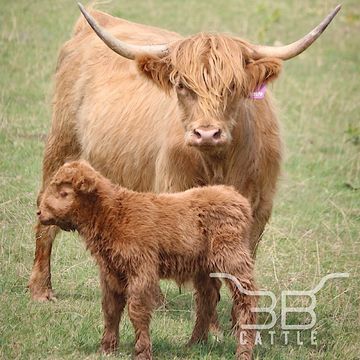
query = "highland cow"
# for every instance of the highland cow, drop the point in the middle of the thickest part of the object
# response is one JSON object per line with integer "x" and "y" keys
{"x": 140, "y": 238}
{"x": 165, "y": 117}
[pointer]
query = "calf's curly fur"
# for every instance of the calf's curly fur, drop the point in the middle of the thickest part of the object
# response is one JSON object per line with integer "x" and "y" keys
{"x": 139, "y": 238}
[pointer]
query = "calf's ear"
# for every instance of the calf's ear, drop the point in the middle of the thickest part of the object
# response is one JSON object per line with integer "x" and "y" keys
{"x": 262, "y": 71}
{"x": 156, "y": 69}
{"x": 85, "y": 185}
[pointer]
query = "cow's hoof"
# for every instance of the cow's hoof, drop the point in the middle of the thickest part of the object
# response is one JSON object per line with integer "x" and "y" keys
{"x": 196, "y": 340}
{"x": 42, "y": 295}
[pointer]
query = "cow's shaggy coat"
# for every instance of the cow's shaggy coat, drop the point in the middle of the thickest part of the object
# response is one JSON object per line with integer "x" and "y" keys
{"x": 139, "y": 238}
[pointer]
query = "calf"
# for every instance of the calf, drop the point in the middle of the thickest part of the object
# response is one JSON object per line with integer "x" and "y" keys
{"x": 139, "y": 238}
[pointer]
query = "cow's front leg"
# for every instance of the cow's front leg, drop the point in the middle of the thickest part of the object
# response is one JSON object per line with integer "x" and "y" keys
{"x": 40, "y": 279}
{"x": 261, "y": 216}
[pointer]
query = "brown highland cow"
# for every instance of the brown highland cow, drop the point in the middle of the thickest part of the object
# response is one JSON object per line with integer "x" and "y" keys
{"x": 139, "y": 238}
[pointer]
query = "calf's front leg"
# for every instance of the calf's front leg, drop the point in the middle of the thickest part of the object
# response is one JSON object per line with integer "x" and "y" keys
{"x": 142, "y": 300}
{"x": 113, "y": 304}
{"x": 207, "y": 297}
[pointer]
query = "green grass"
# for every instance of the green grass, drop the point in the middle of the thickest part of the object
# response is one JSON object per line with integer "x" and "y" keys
{"x": 316, "y": 220}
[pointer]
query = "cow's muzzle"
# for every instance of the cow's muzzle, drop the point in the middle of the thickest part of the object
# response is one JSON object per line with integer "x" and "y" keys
{"x": 207, "y": 136}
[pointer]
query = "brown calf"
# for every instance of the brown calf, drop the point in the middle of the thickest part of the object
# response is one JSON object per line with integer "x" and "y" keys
{"x": 140, "y": 238}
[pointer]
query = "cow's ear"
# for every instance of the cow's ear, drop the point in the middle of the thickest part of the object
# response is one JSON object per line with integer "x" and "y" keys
{"x": 262, "y": 71}
{"x": 157, "y": 69}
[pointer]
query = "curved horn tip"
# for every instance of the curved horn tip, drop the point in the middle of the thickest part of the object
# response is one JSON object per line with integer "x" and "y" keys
{"x": 287, "y": 52}
{"x": 336, "y": 10}
{"x": 82, "y": 9}
{"x": 338, "y": 7}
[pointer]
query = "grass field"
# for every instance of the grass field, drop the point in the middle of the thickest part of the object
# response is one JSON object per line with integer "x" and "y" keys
{"x": 316, "y": 221}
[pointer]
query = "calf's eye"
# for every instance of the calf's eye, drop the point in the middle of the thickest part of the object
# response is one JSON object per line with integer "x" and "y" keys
{"x": 63, "y": 194}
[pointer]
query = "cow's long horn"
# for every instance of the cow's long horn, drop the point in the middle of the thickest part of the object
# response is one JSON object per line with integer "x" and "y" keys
{"x": 289, "y": 51}
{"x": 127, "y": 50}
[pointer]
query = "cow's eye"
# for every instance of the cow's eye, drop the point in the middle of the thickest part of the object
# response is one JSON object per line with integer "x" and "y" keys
{"x": 180, "y": 88}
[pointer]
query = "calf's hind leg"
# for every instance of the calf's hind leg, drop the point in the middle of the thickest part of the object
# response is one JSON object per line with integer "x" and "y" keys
{"x": 242, "y": 315}
{"x": 207, "y": 297}
{"x": 242, "y": 286}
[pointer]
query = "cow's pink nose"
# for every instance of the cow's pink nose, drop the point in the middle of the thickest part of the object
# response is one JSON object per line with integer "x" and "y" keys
{"x": 207, "y": 135}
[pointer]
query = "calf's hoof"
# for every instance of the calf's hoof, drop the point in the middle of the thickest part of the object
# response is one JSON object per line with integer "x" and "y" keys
{"x": 244, "y": 355}
{"x": 145, "y": 355}
{"x": 109, "y": 344}
{"x": 143, "y": 350}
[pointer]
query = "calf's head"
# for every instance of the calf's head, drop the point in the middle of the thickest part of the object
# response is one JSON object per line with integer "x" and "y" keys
{"x": 69, "y": 191}
{"x": 212, "y": 75}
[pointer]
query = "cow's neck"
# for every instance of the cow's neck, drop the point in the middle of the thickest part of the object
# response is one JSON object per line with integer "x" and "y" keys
{"x": 214, "y": 166}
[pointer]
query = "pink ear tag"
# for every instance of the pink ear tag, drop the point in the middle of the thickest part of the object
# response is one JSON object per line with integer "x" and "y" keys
{"x": 259, "y": 93}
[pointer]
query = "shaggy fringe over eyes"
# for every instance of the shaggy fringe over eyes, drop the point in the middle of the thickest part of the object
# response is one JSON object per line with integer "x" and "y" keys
{"x": 214, "y": 67}
{"x": 217, "y": 72}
